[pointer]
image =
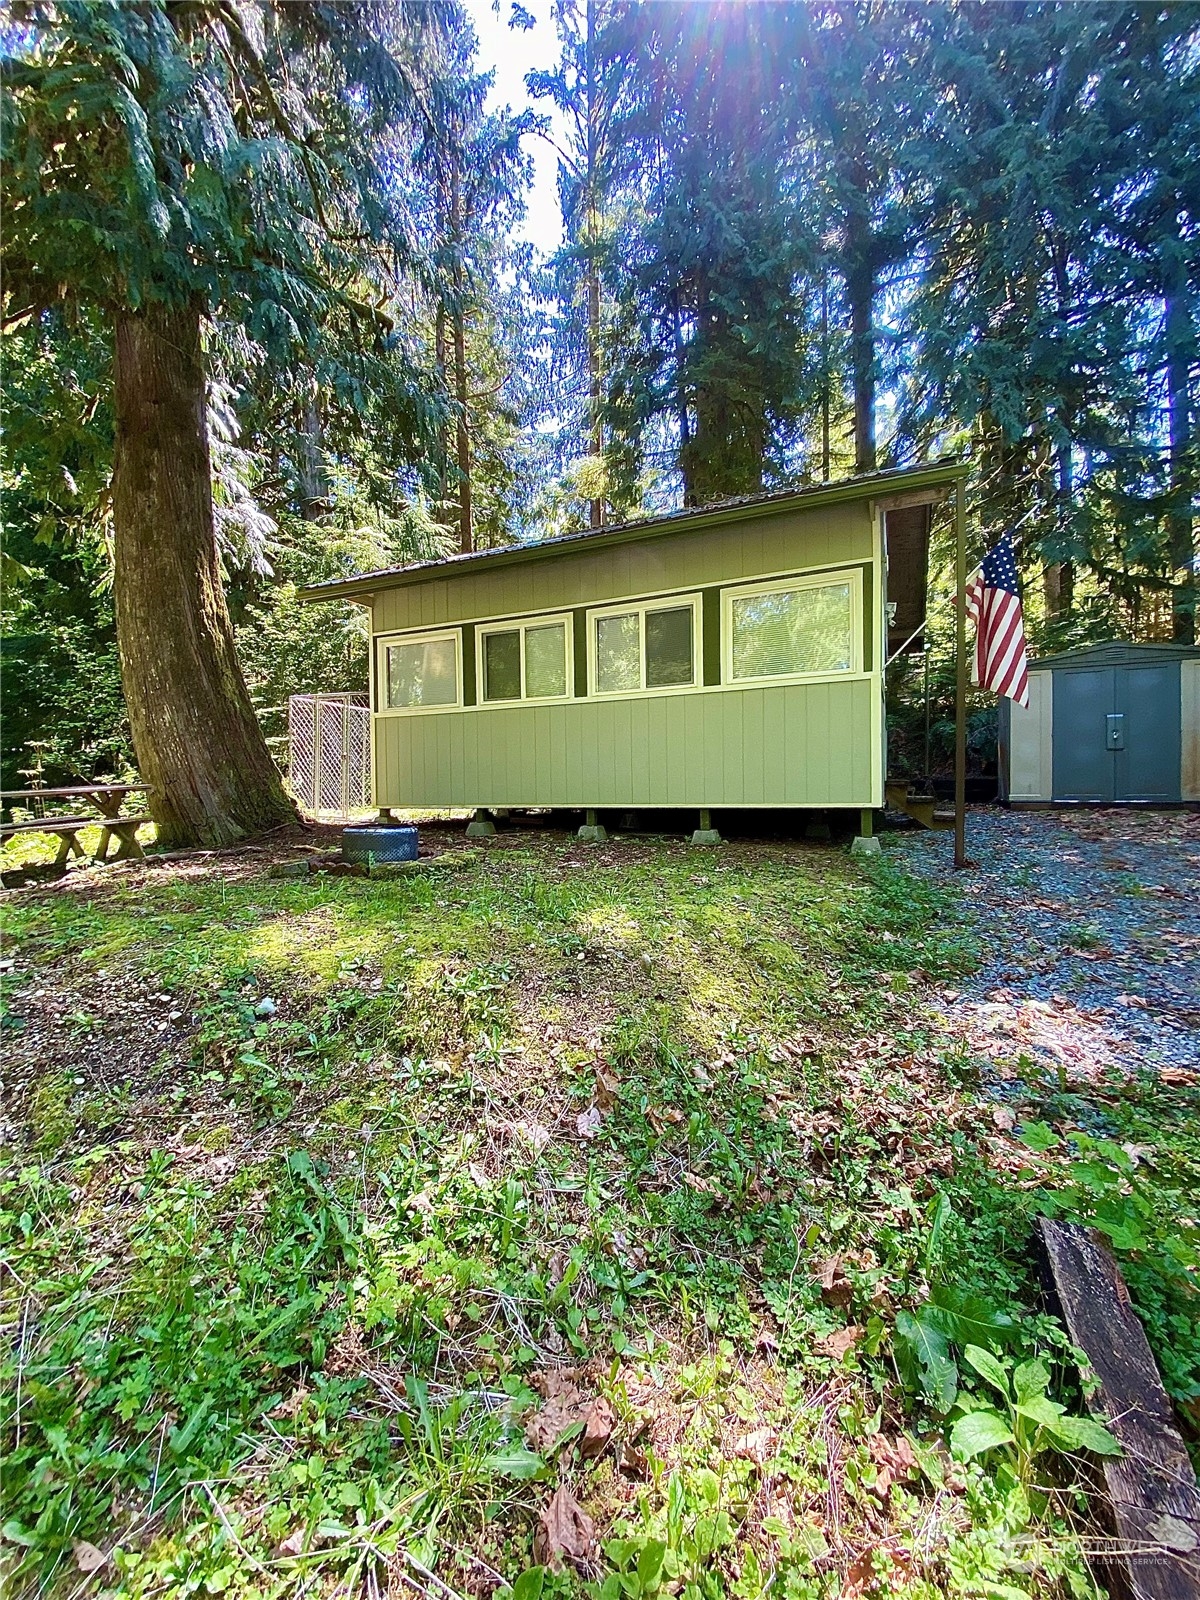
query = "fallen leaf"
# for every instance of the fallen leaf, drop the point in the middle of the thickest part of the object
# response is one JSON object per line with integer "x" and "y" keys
{"x": 758, "y": 1446}
{"x": 840, "y": 1341}
{"x": 766, "y": 1338}
{"x": 1179, "y": 1077}
{"x": 873, "y": 1568}
{"x": 588, "y": 1123}
{"x": 87, "y": 1557}
{"x": 534, "y": 1135}
{"x": 1004, "y": 1117}
{"x": 293, "y": 1545}
{"x": 564, "y": 1531}
{"x": 836, "y": 1288}
{"x": 561, "y": 1410}
{"x": 608, "y": 1086}
{"x": 893, "y": 1458}
{"x": 598, "y": 1423}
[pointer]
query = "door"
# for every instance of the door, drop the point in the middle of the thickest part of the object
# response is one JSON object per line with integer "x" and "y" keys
{"x": 1148, "y": 766}
{"x": 1116, "y": 733}
{"x": 1084, "y": 763}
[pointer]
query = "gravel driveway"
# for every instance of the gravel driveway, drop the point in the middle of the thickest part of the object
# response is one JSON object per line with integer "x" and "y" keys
{"x": 1091, "y": 928}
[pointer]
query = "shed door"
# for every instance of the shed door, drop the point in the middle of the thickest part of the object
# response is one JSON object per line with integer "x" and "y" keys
{"x": 1148, "y": 767}
{"x": 1084, "y": 767}
{"x": 1116, "y": 733}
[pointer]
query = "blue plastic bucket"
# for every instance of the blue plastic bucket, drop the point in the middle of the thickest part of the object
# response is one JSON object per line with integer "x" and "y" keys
{"x": 395, "y": 843}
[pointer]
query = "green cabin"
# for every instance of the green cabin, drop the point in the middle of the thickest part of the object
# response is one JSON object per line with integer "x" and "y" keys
{"x": 725, "y": 657}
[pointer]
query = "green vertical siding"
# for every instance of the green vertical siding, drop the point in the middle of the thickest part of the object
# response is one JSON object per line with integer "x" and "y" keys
{"x": 795, "y": 744}
{"x": 694, "y": 558}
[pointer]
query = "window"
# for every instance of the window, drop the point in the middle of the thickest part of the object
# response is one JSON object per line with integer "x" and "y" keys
{"x": 649, "y": 646}
{"x": 420, "y": 672}
{"x": 804, "y": 628}
{"x": 525, "y": 660}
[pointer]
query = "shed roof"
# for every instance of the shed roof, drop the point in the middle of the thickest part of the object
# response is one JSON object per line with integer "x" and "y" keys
{"x": 907, "y": 481}
{"x": 1115, "y": 653}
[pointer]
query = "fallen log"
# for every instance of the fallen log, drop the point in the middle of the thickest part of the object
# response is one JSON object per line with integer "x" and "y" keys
{"x": 1153, "y": 1498}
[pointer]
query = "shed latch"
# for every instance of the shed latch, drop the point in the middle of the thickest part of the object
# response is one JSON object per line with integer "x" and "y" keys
{"x": 1116, "y": 730}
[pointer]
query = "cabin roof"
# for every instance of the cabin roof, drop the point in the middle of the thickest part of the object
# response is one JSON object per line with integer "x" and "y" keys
{"x": 907, "y": 481}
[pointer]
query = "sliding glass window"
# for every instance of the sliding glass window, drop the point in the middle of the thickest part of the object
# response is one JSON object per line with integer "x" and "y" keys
{"x": 636, "y": 649}
{"x": 524, "y": 660}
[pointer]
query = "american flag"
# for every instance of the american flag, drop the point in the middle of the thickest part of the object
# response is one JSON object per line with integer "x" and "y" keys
{"x": 994, "y": 605}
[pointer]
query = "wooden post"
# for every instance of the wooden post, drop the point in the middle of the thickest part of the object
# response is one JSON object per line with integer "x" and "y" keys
{"x": 960, "y": 661}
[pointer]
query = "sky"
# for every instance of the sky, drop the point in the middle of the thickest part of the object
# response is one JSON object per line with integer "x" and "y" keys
{"x": 511, "y": 53}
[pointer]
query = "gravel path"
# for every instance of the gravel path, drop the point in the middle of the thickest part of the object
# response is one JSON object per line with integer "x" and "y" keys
{"x": 1091, "y": 928}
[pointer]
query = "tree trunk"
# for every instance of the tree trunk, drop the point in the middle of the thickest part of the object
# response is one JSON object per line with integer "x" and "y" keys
{"x": 596, "y": 517}
{"x": 1182, "y": 504}
{"x": 591, "y": 112}
{"x": 1058, "y": 577}
{"x": 313, "y": 478}
{"x": 860, "y": 286}
{"x": 466, "y": 530}
{"x": 197, "y": 739}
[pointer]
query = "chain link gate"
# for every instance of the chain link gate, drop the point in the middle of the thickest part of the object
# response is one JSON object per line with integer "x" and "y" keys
{"x": 329, "y": 753}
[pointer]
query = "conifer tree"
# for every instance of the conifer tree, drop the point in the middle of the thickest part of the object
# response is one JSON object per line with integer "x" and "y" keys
{"x": 165, "y": 163}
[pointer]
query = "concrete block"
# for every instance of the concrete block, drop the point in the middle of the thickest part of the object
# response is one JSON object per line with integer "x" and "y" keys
{"x": 481, "y": 826}
{"x": 706, "y": 836}
{"x": 592, "y": 833}
{"x": 865, "y": 845}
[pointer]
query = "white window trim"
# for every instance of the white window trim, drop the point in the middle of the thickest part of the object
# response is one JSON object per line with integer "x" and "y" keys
{"x": 669, "y": 602}
{"x": 521, "y": 625}
{"x": 822, "y": 580}
{"x": 384, "y": 641}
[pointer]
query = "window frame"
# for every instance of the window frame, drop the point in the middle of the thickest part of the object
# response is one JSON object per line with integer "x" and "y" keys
{"x": 522, "y": 625}
{"x": 815, "y": 580}
{"x": 671, "y": 602}
{"x": 385, "y": 641}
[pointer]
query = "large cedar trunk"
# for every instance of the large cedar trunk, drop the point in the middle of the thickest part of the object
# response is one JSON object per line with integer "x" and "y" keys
{"x": 197, "y": 740}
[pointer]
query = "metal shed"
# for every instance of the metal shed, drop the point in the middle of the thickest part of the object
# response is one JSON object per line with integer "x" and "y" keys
{"x": 1109, "y": 724}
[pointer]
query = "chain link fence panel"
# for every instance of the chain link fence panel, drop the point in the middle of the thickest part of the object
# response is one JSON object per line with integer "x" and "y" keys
{"x": 329, "y": 754}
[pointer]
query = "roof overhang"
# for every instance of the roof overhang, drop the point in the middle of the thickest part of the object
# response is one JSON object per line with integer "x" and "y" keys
{"x": 904, "y": 486}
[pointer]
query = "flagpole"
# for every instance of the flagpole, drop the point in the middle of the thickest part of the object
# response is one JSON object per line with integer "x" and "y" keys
{"x": 960, "y": 690}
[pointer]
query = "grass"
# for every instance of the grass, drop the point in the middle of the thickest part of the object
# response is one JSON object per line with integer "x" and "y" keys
{"x": 319, "y": 1186}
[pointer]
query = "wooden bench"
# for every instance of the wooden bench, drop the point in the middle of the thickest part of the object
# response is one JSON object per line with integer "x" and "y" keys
{"x": 65, "y": 828}
{"x": 106, "y": 797}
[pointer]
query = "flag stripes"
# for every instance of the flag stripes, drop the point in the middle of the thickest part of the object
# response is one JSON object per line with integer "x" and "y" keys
{"x": 994, "y": 605}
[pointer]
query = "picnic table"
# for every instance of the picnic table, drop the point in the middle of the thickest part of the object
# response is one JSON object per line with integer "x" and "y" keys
{"x": 107, "y": 800}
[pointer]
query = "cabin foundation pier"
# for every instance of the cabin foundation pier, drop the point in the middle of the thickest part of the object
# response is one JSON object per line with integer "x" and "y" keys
{"x": 865, "y": 842}
{"x": 592, "y": 832}
{"x": 481, "y": 826}
{"x": 706, "y": 833}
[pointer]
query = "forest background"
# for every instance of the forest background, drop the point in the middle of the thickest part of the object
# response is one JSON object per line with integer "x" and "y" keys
{"x": 798, "y": 241}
